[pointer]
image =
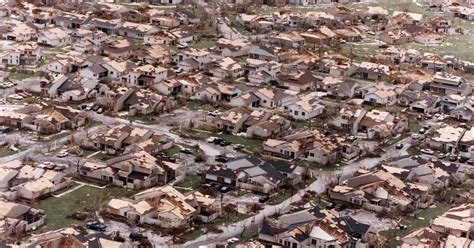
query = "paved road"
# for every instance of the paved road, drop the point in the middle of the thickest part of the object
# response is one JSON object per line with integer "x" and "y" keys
{"x": 43, "y": 147}
{"x": 224, "y": 29}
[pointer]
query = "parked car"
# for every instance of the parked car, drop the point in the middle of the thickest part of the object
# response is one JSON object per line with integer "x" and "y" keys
{"x": 225, "y": 143}
{"x": 182, "y": 46}
{"x": 4, "y": 129}
{"x": 331, "y": 206}
{"x": 263, "y": 198}
{"x": 470, "y": 162}
{"x": 453, "y": 158}
{"x": 221, "y": 159}
{"x": 225, "y": 189}
{"x": 186, "y": 151}
{"x": 137, "y": 236}
{"x": 422, "y": 131}
{"x": 217, "y": 141}
{"x": 62, "y": 154}
{"x": 415, "y": 136}
{"x": 94, "y": 225}
{"x": 179, "y": 70}
{"x": 399, "y": 146}
{"x": 339, "y": 207}
{"x": 463, "y": 159}
{"x": 214, "y": 113}
{"x": 233, "y": 240}
{"x": 211, "y": 139}
{"x": 442, "y": 156}
{"x": 238, "y": 146}
{"x": 427, "y": 151}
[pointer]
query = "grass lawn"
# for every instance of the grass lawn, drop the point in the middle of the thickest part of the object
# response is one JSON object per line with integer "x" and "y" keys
{"x": 241, "y": 29}
{"x": 142, "y": 119}
{"x": 21, "y": 75}
{"x": 86, "y": 152}
{"x": 280, "y": 197}
{"x": 421, "y": 220}
{"x": 203, "y": 44}
{"x": 86, "y": 199}
{"x": 55, "y": 136}
{"x": 191, "y": 181}
{"x": 251, "y": 145}
{"x": 172, "y": 151}
{"x": 414, "y": 126}
{"x": 102, "y": 156}
{"x": 5, "y": 152}
{"x": 232, "y": 218}
{"x": 250, "y": 233}
{"x": 95, "y": 123}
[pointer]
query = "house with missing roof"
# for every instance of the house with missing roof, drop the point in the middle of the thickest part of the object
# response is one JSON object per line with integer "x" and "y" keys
{"x": 116, "y": 138}
{"x": 445, "y": 138}
{"x": 165, "y": 207}
{"x": 419, "y": 101}
{"x": 377, "y": 190}
{"x": 314, "y": 227}
{"x": 381, "y": 93}
{"x": 254, "y": 174}
{"x": 313, "y": 146}
{"x": 446, "y": 84}
{"x": 134, "y": 170}
{"x": 16, "y": 219}
{"x": 304, "y": 107}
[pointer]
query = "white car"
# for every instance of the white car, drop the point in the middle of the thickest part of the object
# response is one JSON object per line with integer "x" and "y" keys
{"x": 15, "y": 97}
{"x": 232, "y": 240}
{"x": 182, "y": 46}
{"x": 62, "y": 154}
{"x": 211, "y": 139}
{"x": 427, "y": 151}
{"x": 214, "y": 113}
{"x": 415, "y": 136}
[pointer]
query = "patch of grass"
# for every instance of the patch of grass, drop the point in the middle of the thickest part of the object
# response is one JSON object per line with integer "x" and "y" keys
{"x": 280, "y": 197}
{"x": 251, "y": 145}
{"x": 86, "y": 199}
{"x": 21, "y": 75}
{"x": 142, "y": 119}
{"x": 420, "y": 220}
{"x": 5, "y": 152}
{"x": 250, "y": 233}
{"x": 57, "y": 136}
{"x": 196, "y": 233}
{"x": 414, "y": 126}
{"x": 203, "y": 44}
{"x": 95, "y": 123}
{"x": 172, "y": 151}
{"x": 231, "y": 218}
{"x": 102, "y": 156}
{"x": 241, "y": 29}
{"x": 191, "y": 181}
{"x": 86, "y": 152}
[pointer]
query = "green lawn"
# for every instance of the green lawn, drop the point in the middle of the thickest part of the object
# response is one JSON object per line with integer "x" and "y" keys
{"x": 172, "y": 151}
{"x": 232, "y": 218}
{"x": 422, "y": 219}
{"x": 102, "y": 156}
{"x": 414, "y": 126}
{"x": 280, "y": 197}
{"x": 203, "y": 44}
{"x": 55, "y": 136}
{"x": 191, "y": 181}
{"x": 86, "y": 199}
{"x": 22, "y": 75}
{"x": 250, "y": 233}
{"x": 5, "y": 152}
{"x": 251, "y": 145}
